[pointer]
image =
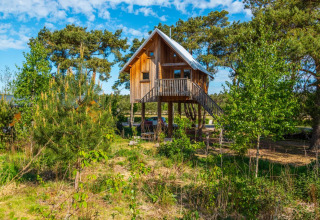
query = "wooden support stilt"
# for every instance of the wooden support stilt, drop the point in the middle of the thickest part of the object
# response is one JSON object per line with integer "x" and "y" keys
{"x": 143, "y": 117}
{"x": 170, "y": 119}
{"x": 159, "y": 119}
{"x": 179, "y": 109}
{"x": 131, "y": 115}
{"x": 199, "y": 122}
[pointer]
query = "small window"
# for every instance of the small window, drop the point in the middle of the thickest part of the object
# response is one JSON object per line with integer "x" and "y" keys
{"x": 187, "y": 73}
{"x": 177, "y": 74}
{"x": 151, "y": 54}
{"x": 145, "y": 75}
{"x": 174, "y": 55}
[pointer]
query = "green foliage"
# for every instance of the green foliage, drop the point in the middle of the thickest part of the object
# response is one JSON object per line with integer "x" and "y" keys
{"x": 180, "y": 148}
{"x": 71, "y": 128}
{"x": 160, "y": 193}
{"x": 74, "y": 44}
{"x": 8, "y": 170}
{"x": 7, "y": 113}
{"x": 261, "y": 101}
{"x": 33, "y": 78}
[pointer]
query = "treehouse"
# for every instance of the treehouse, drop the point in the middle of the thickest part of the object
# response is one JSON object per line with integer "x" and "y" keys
{"x": 161, "y": 70}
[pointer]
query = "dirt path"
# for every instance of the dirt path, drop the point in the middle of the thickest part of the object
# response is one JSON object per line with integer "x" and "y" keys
{"x": 293, "y": 152}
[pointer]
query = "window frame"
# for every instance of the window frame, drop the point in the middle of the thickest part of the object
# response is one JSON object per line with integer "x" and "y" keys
{"x": 190, "y": 73}
{"x": 175, "y": 74}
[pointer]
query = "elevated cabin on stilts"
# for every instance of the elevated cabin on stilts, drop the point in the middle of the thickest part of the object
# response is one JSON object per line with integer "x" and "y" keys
{"x": 161, "y": 70}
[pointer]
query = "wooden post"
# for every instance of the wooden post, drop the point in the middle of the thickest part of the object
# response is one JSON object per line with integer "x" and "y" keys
{"x": 131, "y": 115}
{"x": 199, "y": 122}
{"x": 179, "y": 109}
{"x": 170, "y": 119}
{"x": 143, "y": 113}
{"x": 159, "y": 119}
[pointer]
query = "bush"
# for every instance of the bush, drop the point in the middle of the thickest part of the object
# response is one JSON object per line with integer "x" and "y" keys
{"x": 8, "y": 170}
{"x": 6, "y": 117}
{"x": 180, "y": 148}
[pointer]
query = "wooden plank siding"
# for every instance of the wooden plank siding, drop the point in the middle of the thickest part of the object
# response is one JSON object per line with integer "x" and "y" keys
{"x": 160, "y": 66}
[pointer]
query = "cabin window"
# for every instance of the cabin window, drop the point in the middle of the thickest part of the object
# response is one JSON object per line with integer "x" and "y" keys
{"x": 151, "y": 54}
{"x": 177, "y": 74}
{"x": 174, "y": 55}
{"x": 145, "y": 75}
{"x": 187, "y": 73}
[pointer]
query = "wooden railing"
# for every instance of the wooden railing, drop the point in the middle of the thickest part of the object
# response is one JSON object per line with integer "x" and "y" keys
{"x": 173, "y": 87}
{"x": 198, "y": 94}
{"x": 182, "y": 87}
{"x": 151, "y": 96}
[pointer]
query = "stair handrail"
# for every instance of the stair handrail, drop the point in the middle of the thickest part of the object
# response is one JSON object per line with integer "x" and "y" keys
{"x": 204, "y": 99}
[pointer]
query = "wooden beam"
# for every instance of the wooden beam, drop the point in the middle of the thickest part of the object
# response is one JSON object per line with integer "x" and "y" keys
{"x": 174, "y": 64}
{"x": 170, "y": 119}
{"x": 143, "y": 113}
{"x": 159, "y": 120}
{"x": 199, "y": 122}
{"x": 131, "y": 115}
{"x": 179, "y": 109}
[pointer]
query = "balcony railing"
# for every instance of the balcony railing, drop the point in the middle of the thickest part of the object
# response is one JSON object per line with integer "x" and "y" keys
{"x": 173, "y": 87}
{"x": 182, "y": 87}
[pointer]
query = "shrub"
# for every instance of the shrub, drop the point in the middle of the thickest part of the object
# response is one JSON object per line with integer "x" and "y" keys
{"x": 8, "y": 170}
{"x": 180, "y": 148}
{"x": 70, "y": 124}
{"x": 6, "y": 117}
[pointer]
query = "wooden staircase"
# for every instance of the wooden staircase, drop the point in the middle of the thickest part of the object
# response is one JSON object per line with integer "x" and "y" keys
{"x": 185, "y": 88}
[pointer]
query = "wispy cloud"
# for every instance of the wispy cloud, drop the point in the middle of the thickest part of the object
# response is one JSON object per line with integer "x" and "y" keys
{"x": 147, "y": 11}
{"x": 54, "y": 13}
{"x": 58, "y": 9}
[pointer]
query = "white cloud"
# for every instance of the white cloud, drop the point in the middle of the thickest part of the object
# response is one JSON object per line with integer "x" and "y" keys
{"x": 12, "y": 39}
{"x": 29, "y": 8}
{"x": 4, "y": 28}
{"x": 58, "y": 9}
{"x": 105, "y": 14}
{"x": 57, "y": 12}
{"x": 49, "y": 25}
{"x": 132, "y": 33}
{"x": 147, "y": 11}
{"x": 10, "y": 43}
{"x": 163, "y": 18}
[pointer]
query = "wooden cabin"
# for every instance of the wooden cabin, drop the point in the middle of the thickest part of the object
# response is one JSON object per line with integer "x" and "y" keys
{"x": 161, "y": 70}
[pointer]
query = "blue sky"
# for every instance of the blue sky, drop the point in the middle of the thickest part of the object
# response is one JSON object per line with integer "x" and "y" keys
{"x": 22, "y": 19}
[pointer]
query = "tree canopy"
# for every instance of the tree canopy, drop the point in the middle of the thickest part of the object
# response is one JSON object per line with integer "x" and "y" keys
{"x": 74, "y": 44}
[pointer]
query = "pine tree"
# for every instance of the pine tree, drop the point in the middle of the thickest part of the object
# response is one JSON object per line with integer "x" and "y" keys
{"x": 68, "y": 45}
{"x": 70, "y": 124}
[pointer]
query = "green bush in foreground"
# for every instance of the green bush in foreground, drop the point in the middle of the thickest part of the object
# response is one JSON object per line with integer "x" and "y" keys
{"x": 180, "y": 148}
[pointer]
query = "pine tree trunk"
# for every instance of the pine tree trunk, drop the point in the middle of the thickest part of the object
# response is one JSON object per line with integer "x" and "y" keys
{"x": 257, "y": 159}
{"x": 315, "y": 141}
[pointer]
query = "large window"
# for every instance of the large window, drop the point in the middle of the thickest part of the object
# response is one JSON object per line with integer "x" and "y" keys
{"x": 187, "y": 73}
{"x": 177, "y": 74}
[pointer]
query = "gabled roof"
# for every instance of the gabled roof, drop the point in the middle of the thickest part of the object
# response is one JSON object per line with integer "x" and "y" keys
{"x": 180, "y": 50}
